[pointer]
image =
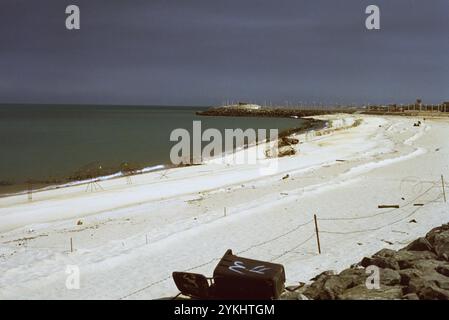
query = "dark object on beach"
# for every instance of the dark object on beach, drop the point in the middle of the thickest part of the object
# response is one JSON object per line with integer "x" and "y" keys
{"x": 79, "y": 223}
{"x": 417, "y": 124}
{"x": 339, "y": 160}
{"x": 234, "y": 278}
{"x": 90, "y": 171}
{"x": 286, "y": 177}
{"x": 193, "y": 285}
{"x": 287, "y": 141}
{"x": 129, "y": 168}
{"x": 413, "y": 221}
{"x": 385, "y": 206}
{"x": 286, "y": 151}
{"x": 418, "y": 204}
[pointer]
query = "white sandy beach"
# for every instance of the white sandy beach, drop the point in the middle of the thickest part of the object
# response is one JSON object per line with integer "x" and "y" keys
{"x": 135, "y": 235}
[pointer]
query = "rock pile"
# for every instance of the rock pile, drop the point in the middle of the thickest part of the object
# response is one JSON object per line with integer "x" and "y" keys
{"x": 418, "y": 271}
{"x": 269, "y": 112}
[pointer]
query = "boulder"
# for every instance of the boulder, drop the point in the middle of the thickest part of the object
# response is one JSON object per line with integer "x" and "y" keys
{"x": 406, "y": 258}
{"x": 323, "y": 274}
{"x": 418, "y": 271}
{"x": 328, "y": 286}
{"x": 427, "y": 290}
{"x": 286, "y": 151}
{"x": 429, "y": 266}
{"x": 408, "y": 274}
{"x": 381, "y": 262}
{"x": 420, "y": 244}
{"x": 439, "y": 239}
{"x": 425, "y": 280}
{"x": 441, "y": 245}
{"x": 411, "y": 296}
{"x": 442, "y": 269}
{"x": 361, "y": 292}
{"x": 389, "y": 277}
{"x": 287, "y": 295}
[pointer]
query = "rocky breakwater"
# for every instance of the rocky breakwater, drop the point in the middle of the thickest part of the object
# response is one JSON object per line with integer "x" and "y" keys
{"x": 268, "y": 112}
{"x": 419, "y": 271}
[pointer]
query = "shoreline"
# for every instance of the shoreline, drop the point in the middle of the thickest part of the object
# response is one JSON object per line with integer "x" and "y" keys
{"x": 22, "y": 188}
{"x": 129, "y": 238}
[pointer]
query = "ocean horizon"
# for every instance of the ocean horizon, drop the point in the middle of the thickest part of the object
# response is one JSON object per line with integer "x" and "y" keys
{"x": 47, "y": 143}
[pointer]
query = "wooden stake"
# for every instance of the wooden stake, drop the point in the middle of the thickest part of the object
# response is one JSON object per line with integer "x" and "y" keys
{"x": 317, "y": 234}
{"x": 30, "y": 191}
{"x": 386, "y": 206}
{"x": 71, "y": 245}
{"x": 442, "y": 184}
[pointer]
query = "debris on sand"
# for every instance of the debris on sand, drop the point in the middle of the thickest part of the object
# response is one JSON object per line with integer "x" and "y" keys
{"x": 388, "y": 206}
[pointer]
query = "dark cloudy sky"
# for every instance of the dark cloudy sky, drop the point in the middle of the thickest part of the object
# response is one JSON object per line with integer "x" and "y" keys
{"x": 202, "y": 52}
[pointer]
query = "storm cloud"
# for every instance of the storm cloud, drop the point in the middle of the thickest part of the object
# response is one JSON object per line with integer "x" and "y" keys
{"x": 203, "y": 52}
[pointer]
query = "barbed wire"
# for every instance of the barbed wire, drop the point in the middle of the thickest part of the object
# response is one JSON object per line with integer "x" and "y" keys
{"x": 298, "y": 227}
{"x": 380, "y": 213}
{"x": 377, "y": 228}
{"x": 217, "y": 259}
{"x": 276, "y": 238}
{"x": 294, "y": 248}
{"x": 145, "y": 288}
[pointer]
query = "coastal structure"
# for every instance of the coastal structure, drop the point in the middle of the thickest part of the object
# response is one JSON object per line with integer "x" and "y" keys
{"x": 446, "y": 106}
{"x": 417, "y": 107}
{"x": 244, "y": 106}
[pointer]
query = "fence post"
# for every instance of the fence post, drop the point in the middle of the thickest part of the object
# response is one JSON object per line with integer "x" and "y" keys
{"x": 317, "y": 234}
{"x": 71, "y": 245}
{"x": 30, "y": 191}
{"x": 442, "y": 184}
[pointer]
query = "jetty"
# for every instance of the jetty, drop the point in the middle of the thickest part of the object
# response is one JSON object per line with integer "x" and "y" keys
{"x": 252, "y": 110}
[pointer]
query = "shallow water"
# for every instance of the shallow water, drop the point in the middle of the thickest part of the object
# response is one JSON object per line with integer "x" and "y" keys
{"x": 52, "y": 142}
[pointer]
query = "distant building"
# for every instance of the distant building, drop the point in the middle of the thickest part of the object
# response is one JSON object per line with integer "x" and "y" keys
{"x": 244, "y": 105}
{"x": 446, "y": 106}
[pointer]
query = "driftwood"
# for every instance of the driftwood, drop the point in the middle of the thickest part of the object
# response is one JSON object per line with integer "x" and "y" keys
{"x": 384, "y": 206}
